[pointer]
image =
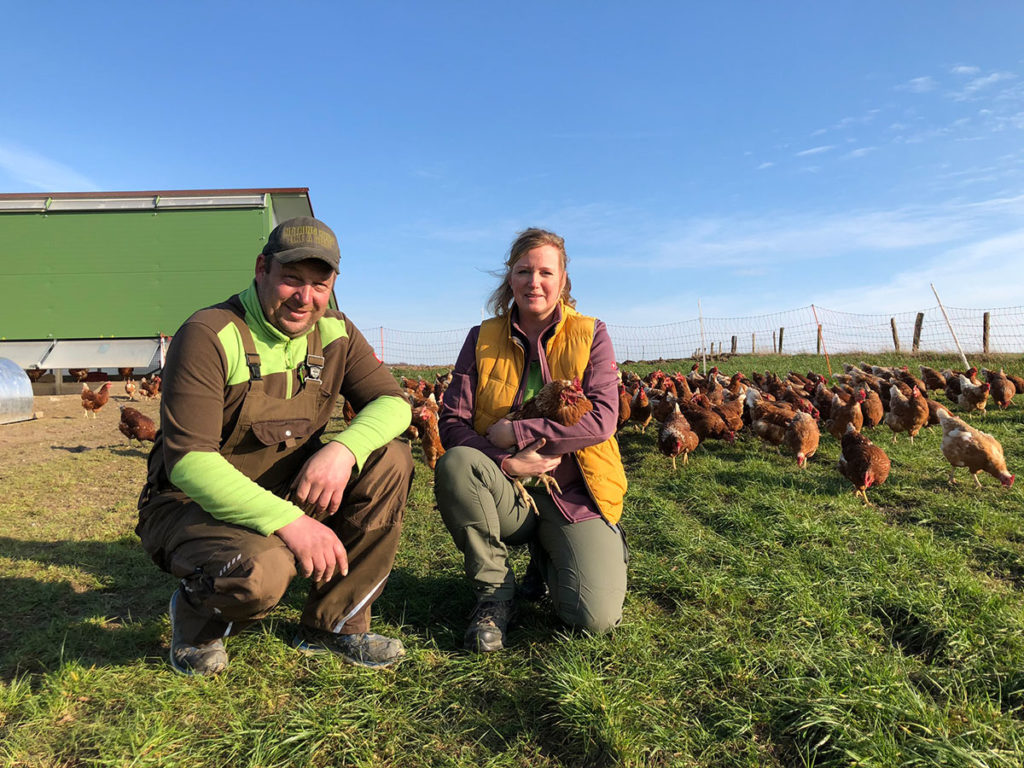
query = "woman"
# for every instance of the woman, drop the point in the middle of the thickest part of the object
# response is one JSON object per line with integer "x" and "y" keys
{"x": 578, "y": 553}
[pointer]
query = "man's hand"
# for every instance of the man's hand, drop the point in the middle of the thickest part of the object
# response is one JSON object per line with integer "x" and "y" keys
{"x": 501, "y": 434}
{"x": 318, "y": 551}
{"x": 322, "y": 479}
{"x": 529, "y": 463}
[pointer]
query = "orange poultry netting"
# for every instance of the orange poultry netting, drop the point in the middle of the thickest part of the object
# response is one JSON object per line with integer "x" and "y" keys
{"x": 795, "y": 329}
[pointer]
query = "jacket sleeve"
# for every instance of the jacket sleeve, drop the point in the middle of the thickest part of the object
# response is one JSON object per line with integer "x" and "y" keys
{"x": 600, "y": 385}
{"x": 455, "y": 421}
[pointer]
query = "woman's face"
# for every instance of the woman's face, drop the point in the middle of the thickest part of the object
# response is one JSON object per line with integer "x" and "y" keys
{"x": 537, "y": 280}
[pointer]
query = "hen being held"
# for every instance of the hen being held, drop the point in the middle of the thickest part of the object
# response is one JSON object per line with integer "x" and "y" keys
{"x": 562, "y": 401}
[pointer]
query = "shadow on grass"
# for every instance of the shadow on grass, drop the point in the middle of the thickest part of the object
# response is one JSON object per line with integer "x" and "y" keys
{"x": 910, "y": 633}
{"x": 49, "y": 619}
{"x": 46, "y": 620}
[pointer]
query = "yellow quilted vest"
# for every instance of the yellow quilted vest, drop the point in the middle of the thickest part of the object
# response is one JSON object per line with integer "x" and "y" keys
{"x": 500, "y": 360}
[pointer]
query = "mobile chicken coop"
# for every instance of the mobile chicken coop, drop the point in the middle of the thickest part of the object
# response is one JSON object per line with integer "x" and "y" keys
{"x": 99, "y": 280}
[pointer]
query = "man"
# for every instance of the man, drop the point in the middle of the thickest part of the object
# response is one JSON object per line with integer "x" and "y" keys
{"x": 242, "y": 494}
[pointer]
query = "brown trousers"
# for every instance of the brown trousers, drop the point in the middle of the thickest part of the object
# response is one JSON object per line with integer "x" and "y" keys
{"x": 232, "y": 576}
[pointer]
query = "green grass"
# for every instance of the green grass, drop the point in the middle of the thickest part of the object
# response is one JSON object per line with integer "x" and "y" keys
{"x": 772, "y": 620}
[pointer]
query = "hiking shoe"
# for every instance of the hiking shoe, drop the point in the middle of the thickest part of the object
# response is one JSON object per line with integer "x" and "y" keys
{"x": 188, "y": 659}
{"x": 366, "y": 649}
{"x": 532, "y": 586}
{"x": 488, "y": 626}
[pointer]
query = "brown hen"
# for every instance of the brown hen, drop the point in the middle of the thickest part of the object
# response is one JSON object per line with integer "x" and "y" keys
{"x": 906, "y": 414}
{"x": 562, "y": 401}
{"x": 862, "y": 462}
{"x": 136, "y": 425}
{"x": 965, "y": 446}
{"x": 802, "y": 437}
{"x": 93, "y": 401}
{"x": 675, "y": 438}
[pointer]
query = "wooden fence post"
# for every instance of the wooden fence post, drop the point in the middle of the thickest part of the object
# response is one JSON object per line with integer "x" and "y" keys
{"x": 775, "y": 344}
{"x": 734, "y": 345}
{"x": 818, "y": 352}
{"x": 895, "y": 335}
{"x": 984, "y": 331}
{"x": 918, "y": 324}
{"x": 753, "y": 343}
{"x": 781, "y": 331}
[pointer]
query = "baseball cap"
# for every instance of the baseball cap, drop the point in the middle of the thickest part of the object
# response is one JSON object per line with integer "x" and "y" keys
{"x": 303, "y": 238}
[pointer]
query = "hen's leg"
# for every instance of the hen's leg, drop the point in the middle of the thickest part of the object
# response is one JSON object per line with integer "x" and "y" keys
{"x": 525, "y": 495}
{"x": 977, "y": 482}
{"x": 549, "y": 482}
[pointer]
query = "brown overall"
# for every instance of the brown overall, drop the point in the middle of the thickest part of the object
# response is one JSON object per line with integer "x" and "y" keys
{"x": 231, "y": 575}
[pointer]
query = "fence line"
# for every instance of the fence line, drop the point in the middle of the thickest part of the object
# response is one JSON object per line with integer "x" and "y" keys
{"x": 791, "y": 331}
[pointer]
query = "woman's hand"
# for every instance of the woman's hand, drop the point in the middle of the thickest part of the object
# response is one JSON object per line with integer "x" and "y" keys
{"x": 529, "y": 463}
{"x": 501, "y": 434}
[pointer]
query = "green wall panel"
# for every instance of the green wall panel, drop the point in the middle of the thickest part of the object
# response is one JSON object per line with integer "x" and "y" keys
{"x": 102, "y": 274}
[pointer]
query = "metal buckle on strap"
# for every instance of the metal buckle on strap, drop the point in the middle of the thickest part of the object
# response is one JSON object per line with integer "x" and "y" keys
{"x": 253, "y": 361}
{"x": 314, "y": 366}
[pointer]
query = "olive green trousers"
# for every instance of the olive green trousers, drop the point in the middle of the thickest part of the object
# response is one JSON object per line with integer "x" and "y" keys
{"x": 583, "y": 564}
{"x": 232, "y": 576}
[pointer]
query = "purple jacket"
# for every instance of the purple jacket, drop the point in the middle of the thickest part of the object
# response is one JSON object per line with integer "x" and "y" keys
{"x": 600, "y": 384}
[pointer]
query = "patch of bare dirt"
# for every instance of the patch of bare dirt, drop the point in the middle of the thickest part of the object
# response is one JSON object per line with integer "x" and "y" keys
{"x": 63, "y": 428}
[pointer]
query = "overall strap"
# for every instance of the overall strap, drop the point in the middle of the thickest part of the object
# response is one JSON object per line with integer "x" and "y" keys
{"x": 252, "y": 358}
{"x": 314, "y": 357}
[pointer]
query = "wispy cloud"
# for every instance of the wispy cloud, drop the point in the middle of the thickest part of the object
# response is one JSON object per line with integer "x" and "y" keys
{"x": 973, "y": 275}
{"x": 814, "y": 150}
{"x": 26, "y": 167}
{"x": 964, "y": 69}
{"x": 777, "y": 240}
{"x": 765, "y": 165}
{"x": 979, "y": 84}
{"x": 918, "y": 85}
{"x": 860, "y": 152}
{"x": 866, "y": 262}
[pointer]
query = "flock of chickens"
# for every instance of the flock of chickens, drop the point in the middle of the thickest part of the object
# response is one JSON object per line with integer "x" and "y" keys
{"x": 789, "y": 412}
{"x": 786, "y": 412}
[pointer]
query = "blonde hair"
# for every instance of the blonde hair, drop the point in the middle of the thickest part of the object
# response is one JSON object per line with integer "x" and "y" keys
{"x": 501, "y": 300}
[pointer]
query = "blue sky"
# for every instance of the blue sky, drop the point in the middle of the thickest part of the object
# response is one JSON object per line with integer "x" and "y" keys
{"x": 755, "y": 156}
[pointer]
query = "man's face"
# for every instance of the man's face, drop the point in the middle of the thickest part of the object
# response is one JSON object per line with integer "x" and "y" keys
{"x": 294, "y": 296}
